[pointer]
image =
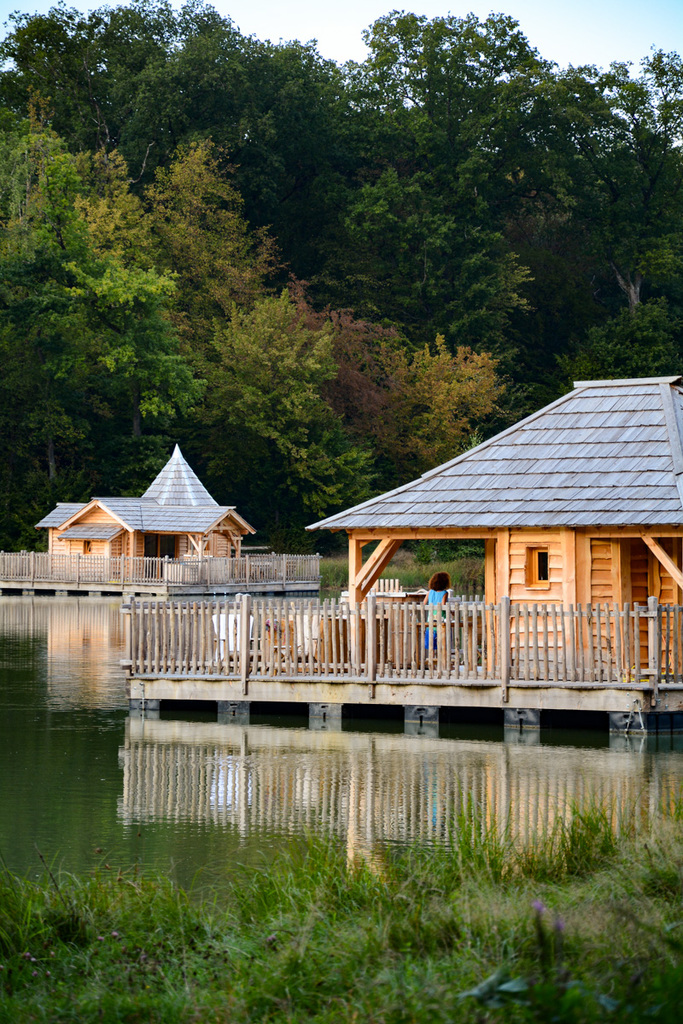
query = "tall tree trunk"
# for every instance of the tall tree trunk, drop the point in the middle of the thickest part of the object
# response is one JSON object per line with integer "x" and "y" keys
{"x": 137, "y": 419}
{"x": 51, "y": 463}
{"x": 630, "y": 286}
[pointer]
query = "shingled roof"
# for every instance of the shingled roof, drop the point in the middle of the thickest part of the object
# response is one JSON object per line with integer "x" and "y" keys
{"x": 175, "y": 502}
{"x": 609, "y": 453}
{"x": 62, "y": 511}
{"x": 178, "y": 485}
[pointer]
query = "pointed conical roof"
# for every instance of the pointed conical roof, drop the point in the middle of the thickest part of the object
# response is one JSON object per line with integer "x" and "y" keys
{"x": 178, "y": 485}
{"x": 609, "y": 453}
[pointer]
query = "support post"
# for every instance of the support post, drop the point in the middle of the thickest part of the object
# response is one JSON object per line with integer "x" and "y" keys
{"x": 502, "y": 563}
{"x": 245, "y": 641}
{"x": 235, "y": 712}
{"x": 568, "y": 542}
{"x": 371, "y": 641}
{"x": 421, "y": 720}
{"x": 284, "y": 570}
{"x": 355, "y": 563}
{"x": 654, "y": 645}
{"x": 490, "y": 570}
{"x": 522, "y": 718}
{"x": 33, "y": 567}
{"x": 641, "y": 722}
{"x": 325, "y": 717}
{"x": 505, "y": 651}
{"x": 143, "y": 707}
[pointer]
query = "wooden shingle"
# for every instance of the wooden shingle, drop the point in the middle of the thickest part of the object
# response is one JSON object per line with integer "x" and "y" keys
{"x": 608, "y": 453}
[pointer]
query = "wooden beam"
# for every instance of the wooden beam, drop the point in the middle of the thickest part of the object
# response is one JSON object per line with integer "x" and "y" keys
{"x": 367, "y": 574}
{"x": 367, "y": 536}
{"x": 660, "y": 529}
{"x": 472, "y": 533}
{"x": 654, "y": 577}
{"x": 568, "y": 543}
{"x": 626, "y": 584}
{"x": 617, "y": 569}
{"x": 664, "y": 559}
{"x": 197, "y": 546}
{"x": 490, "y": 570}
{"x": 502, "y": 564}
{"x": 583, "y": 569}
{"x": 355, "y": 563}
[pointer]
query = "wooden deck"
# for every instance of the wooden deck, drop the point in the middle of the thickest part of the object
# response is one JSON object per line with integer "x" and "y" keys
{"x": 162, "y": 577}
{"x": 624, "y": 660}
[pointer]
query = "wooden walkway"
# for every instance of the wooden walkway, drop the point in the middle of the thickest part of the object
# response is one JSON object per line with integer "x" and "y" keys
{"x": 166, "y": 577}
{"x": 465, "y": 654}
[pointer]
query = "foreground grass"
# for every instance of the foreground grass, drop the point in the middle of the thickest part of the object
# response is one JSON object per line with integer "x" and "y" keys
{"x": 583, "y": 925}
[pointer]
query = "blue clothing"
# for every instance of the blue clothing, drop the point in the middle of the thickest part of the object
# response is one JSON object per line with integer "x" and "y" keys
{"x": 433, "y": 597}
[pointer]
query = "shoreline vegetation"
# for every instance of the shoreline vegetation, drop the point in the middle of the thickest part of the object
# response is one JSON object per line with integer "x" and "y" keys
{"x": 414, "y": 568}
{"x": 581, "y": 924}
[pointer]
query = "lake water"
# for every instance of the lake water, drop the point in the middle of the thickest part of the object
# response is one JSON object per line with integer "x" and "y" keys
{"x": 88, "y": 786}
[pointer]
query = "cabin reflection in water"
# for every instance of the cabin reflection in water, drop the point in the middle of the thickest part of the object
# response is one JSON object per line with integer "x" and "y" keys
{"x": 88, "y": 633}
{"x": 370, "y": 788}
{"x": 83, "y": 640}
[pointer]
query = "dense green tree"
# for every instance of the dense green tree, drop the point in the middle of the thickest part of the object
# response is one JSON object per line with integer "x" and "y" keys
{"x": 621, "y": 135}
{"x": 160, "y": 172}
{"x": 415, "y": 409}
{"x": 284, "y": 117}
{"x": 200, "y": 236}
{"x": 83, "y": 331}
{"x": 423, "y": 244}
{"x": 147, "y": 79}
{"x": 646, "y": 341}
{"x": 86, "y": 66}
{"x": 273, "y": 440}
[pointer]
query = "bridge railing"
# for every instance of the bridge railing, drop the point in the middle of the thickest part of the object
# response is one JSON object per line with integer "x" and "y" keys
{"x": 463, "y": 641}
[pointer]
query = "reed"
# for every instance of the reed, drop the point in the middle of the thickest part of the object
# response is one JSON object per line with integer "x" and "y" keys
{"x": 583, "y": 925}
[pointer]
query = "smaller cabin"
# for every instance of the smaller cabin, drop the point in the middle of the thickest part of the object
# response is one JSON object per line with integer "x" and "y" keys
{"x": 176, "y": 517}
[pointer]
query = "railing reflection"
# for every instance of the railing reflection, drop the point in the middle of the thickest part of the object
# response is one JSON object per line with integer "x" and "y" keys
{"x": 377, "y": 787}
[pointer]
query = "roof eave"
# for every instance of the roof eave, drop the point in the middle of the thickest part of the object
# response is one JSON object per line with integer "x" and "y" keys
{"x": 94, "y": 503}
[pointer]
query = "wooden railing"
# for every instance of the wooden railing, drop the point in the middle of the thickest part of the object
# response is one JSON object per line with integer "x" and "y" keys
{"x": 43, "y": 567}
{"x": 460, "y": 642}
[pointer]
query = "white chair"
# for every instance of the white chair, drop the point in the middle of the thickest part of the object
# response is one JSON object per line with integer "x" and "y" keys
{"x": 226, "y": 626}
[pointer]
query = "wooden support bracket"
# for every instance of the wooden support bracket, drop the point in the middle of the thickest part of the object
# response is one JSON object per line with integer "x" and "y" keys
{"x": 664, "y": 559}
{"x": 376, "y": 563}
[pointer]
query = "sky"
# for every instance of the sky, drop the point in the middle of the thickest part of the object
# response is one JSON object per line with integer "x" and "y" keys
{"x": 571, "y": 32}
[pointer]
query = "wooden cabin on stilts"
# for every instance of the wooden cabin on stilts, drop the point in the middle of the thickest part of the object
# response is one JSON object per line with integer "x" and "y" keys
{"x": 176, "y": 517}
{"x": 580, "y": 503}
{"x": 580, "y": 507}
{"x": 175, "y": 539}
